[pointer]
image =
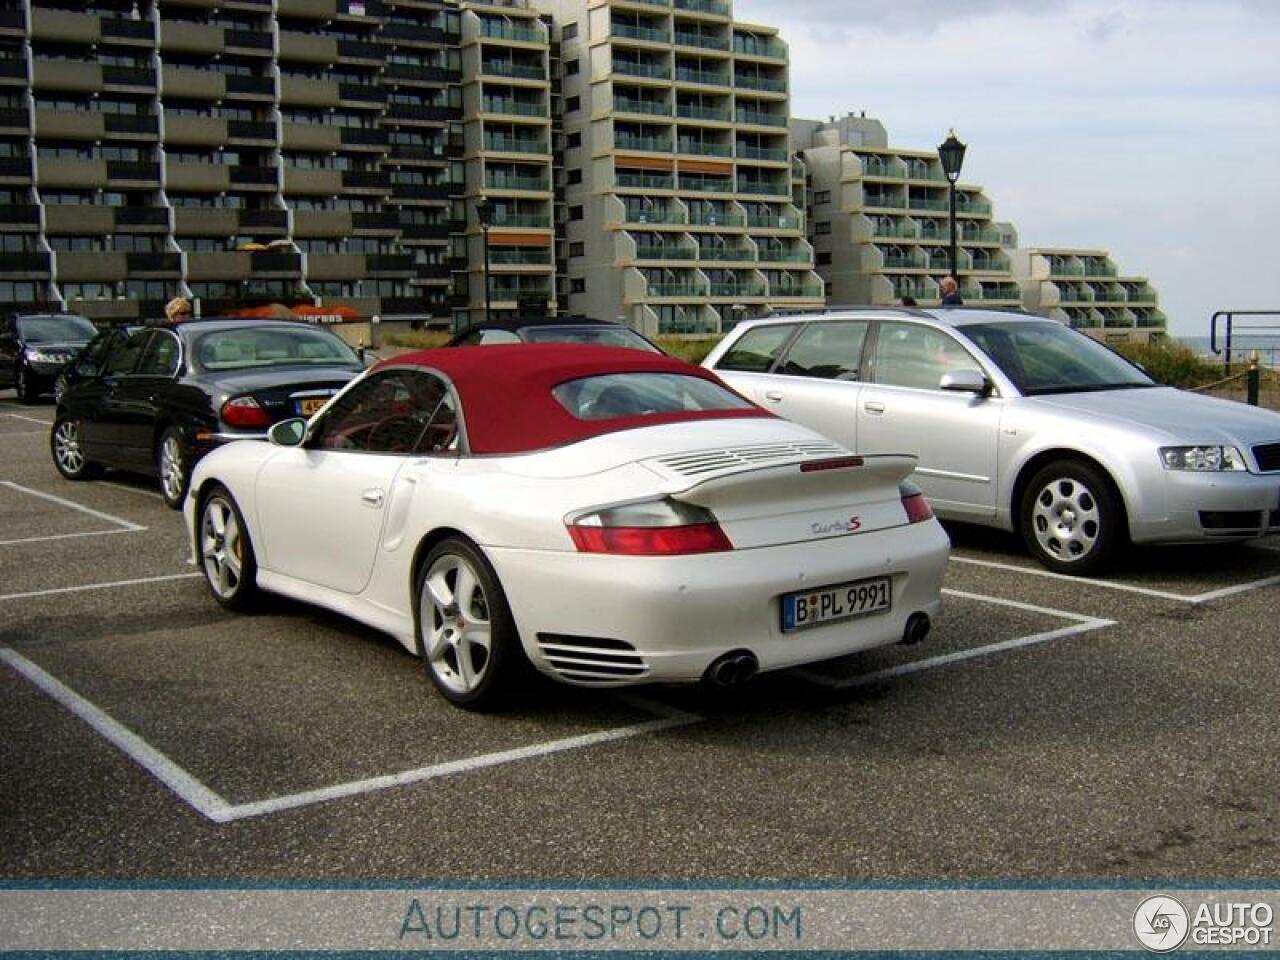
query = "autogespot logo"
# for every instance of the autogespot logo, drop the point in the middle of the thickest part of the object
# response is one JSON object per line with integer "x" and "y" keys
{"x": 1161, "y": 924}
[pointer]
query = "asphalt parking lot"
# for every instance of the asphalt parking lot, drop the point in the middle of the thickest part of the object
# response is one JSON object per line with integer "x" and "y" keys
{"x": 1049, "y": 729}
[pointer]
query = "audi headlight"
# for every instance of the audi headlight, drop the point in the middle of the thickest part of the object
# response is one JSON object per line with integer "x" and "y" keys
{"x": 1201, "y": 459}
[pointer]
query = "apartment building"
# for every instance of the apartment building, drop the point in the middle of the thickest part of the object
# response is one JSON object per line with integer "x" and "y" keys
{"x": 507, "y": 152}
{"x": 880, "y": 225}
{"x": 1085, "y": 289}
{"x": 679, "y": 191}
{"x": 229, "y": 151}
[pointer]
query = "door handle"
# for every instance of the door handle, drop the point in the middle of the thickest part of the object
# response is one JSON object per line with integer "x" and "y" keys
{"x": 873, "y": 406}
{"x": 774, "y": 396}
{"x": 372, "y": 498}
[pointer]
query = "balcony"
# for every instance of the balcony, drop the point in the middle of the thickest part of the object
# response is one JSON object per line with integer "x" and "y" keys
{"x": 703, "y": 41}
{"x": 539, "y": 220}
{"x": 264, "y": 219}
{"x": 251, "y": 130}
{"x": 692, "y": 111}
{"x": 513, "y": 107}
{"x": 508, "y": 68}
{"x": 626, "y": 141}
{"x": 390, "y": 263}
{"x": 636, "y": 214}
{"x": 764, "y": 188}
{"x": 677, "y": 289}
{"x": 153, "y": 262}
{"x": 706, "y": 184}
{"x": 504, "y": 144}
{"x": 799, "y": 290}
{"x": 507, "y": 31}
{"x": 885, "y": 201}
{"x": 24, "y": 262}
{"x": 747, "y": 152}
{"x": 747, "y": 81}
{"x": 704, "y": 218}
{"x": 973, "y": 206}
{"x": 709, "y": 78}
{"x": 646, "y": 181}
{"x": 250, "y": 86}
{"x": 760, "y": 119}
{"x": 142, "y": 217}
{"x": 646, "y": 251}
{"x": 631, "y": 68}
{"x": 426, "y": 114}
{"x": 755, "y": 47}
{"x": 127, "y": 29}
{"x": 254, "y": 176}
{"x": 248, "y": 40}
{"x": 123, "y": 172}
{"x": 727, "y": 254}
{"x": 716, "y": 7}
{"x": 502, "y": 289}
{"x": 654, "y": 108}
{"x": 703, "y": 148}
{"x": 365, "y": 180}
{"x": 520, "y": 258}
{"x": 136, "y": 77}
{"x": 124, "y": 123}
{"x": 924, "y": 203}
{"x": 737, "y": 289}
{"x": 15, "y": 167}
{"x": 494, "y": 181}
{"x": 647, "y": 34}
{"x": 784, "y": 255}
{"x": 773, "y": 222}
{"x": 904, "y": 263}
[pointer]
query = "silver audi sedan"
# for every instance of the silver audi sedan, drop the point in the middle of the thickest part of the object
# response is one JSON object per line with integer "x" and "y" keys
{"x": 1020, "y": 423}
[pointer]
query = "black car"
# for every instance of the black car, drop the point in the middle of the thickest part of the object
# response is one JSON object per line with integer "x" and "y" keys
{"x": 553, "y": 330}
{"x": 34, "y": 348}
{"x": 156, "y": 399}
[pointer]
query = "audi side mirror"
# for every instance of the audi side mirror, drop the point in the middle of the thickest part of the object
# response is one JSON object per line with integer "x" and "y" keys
{"x": 966, "y": 380}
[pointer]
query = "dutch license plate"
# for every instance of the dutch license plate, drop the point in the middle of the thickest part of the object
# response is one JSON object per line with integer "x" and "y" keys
{"x": 309, "y": 405}
{"x": 844, "y": 601}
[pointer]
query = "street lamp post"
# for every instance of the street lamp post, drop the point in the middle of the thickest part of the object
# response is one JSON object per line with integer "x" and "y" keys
{"x": 484, "y": 211}
{"x": 951, "y": 152}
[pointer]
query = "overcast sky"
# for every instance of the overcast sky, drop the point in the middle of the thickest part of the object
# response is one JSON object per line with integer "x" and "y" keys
{"x": 1148, "y": 128}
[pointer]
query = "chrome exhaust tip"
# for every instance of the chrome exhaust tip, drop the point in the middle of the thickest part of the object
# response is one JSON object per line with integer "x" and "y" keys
{"x": 731, "y": 669}
{"x": 917, "y": 628}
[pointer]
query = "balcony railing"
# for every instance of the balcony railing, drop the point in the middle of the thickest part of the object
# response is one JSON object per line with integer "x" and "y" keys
{"x": 703, "y": 148}
{"x": 755, "y": 47}
{"x": 520, "y": 220}
{"x": 696, "y": 112}
{"x": 772, "y": 222}
{"x": 775, "y": 255}
{"x": 631, "y": 68}
{"x": 706, "y": 185}
{"x": 519, "y": 108}
{"x": 747, "y": 81}
{"x": 507, "y": 31}
{"x": 677, "y": 290}
{"x": 716, "y": 219}
{"x": 718, "y": 7}
{"x": 882, "y": 171}
{"x": 980, "y": 236}
{"x": 760, "y": 118}
{"x": 499, "y": 182}
{"x": 648, "y": 181}
{"x": 748, "y": 152}
{"x": 925, "y": 173}
{"x": 649, "y": 34}
{"x": 626, "y": 141}
{"x": 897, "y": 230}
{"x": 726, "y": 253}
{"x": 973, "y": 206}
{"x": 926, "y": 203}
{"x": 520, "y": 258}
{"x": 654, "y": 108}
{"x": 495, "y": 141}
{"x": 516, "y": 291}
{"x": 702, "y": 40}
{"x": 645, "y": 251}
{"x": 799, "y": 290}
{"x": 714, "y": 78}
{"x": 508, "y": 68}
{"x": 737, "y": 290}
{"x": 763, "y": 187}
{"x": 887, "y": 201}
{"x": 635, "y": 214}
{"x": 904, "y": 263}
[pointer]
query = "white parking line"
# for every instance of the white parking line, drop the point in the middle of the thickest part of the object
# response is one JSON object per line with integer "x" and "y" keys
{"x": 126, "y": 526}
{"x": 1125, "y": 587}
{"x": 98, "y": 586}
{"x": 1083, "y": 624}
{"x": 128, "y": 489}
{"x": 213, "y": 807}
{"x": 18, "y": 416}
{"x": 23, "y": 433}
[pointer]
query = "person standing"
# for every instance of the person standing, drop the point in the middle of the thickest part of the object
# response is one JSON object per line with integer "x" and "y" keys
{"x": 179, "y": 308}
{"x": 950, "y": 291}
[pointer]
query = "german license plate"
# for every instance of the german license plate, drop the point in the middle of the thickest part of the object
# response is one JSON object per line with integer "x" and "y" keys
{"x": 844, "y": 601}
{"x": 309, "y": 405}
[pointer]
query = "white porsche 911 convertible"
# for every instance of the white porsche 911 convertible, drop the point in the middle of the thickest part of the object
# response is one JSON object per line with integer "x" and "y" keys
{"x": 609, "y": 516}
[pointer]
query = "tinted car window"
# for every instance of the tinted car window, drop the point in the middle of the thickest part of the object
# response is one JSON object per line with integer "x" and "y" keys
{"x": 1050, "y": 358}
{"x": 124, "y": 353}
{"x": 638, "y": 394}
{"x": 605, "y": 336}
{"x": 913, "y": 355}
{"x": 160, "y": 358}
{"x": 757, "y": 349}
{"x": 56, "y": 328}
{"x": 89, "y": 363}
{"x": 399, "y": 411}
{"x": 830, "y": 350}
{"x": 270, "y": 346}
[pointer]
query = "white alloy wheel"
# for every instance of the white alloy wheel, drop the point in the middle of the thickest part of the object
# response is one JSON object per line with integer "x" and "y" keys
{"x": 226, "y": 555}
{"x": 68, "y": 451}
{"x": 455, "y": 623}
{"x": 1071, "y": 520}
{"x": 172, "y": 467}
{"x": 1066, "y": 519}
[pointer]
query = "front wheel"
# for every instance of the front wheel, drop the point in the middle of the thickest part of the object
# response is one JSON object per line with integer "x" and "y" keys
{"x": 226, "y": 553}
{"x": 67, "y": 447}
{"x": 468, "y": 639}
{"x": 1071, "y": 519}
{"x": 174, "y": 467}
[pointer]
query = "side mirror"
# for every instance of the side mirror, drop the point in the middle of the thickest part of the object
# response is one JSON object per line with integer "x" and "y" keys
{"x": 966, "y": 380}
{"x": 288, "y": 433}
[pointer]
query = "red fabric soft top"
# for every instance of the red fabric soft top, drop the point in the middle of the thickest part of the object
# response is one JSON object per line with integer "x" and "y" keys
{"x": 505, "y": 391}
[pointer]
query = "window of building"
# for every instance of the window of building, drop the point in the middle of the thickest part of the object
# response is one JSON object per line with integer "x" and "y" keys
{"x": 577, "y": 249}
{"x": 823, "y": 258}
{"x": 571, "y": 67}
{"x": 574, "y": 139}
{"x": 574, "y": 175}
{"x": 575, "y": 212}
{"x": 572, "y": 104}
{"x": 570, "y": 31}
{"x": 822, "y": 196}
{"x": 577, "y": 285}
{"x": 821, "y": 228}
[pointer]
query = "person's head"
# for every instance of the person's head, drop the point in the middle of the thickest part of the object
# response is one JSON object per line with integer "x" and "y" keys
{"x": 179, "y": 308}
{"x": 948, "y": 286}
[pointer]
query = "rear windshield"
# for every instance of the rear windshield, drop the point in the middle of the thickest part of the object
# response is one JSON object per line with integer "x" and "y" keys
{"x": 614, "y": 395}
{"x": 271, "y": 347}
{"x": 53, "y": 329}
{"x": 600, "y": 336}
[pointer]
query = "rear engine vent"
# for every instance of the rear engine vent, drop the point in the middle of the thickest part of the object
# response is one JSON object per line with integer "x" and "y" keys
{"x": 702, "y": 462}
{"x": 592, "y": 660}
{"x": 1268, "y": 457}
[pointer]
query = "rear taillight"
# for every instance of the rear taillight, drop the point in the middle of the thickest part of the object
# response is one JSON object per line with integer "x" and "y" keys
{"x": 244, "y": 412}
{"x": 914, "y": 503}
{"x": 655, "y": 528}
